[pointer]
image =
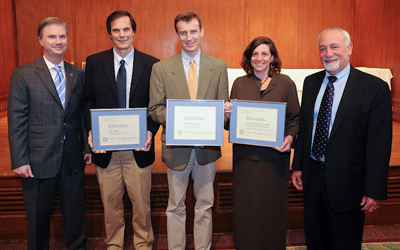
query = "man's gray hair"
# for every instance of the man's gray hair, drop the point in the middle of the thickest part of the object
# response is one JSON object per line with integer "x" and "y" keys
{"x": 344, "y": 33}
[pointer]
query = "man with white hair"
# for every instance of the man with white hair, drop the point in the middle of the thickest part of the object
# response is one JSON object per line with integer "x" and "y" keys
{"x": 343, "y": 148}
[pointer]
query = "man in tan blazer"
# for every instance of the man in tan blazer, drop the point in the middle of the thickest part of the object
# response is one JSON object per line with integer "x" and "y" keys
{"x": 170, "y": 80}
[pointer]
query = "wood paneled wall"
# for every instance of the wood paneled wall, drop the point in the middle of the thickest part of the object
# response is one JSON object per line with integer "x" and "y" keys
{"x": 391, "y": 50}
{"x": 8, "y": 58}
{"x": 229, "y": 25}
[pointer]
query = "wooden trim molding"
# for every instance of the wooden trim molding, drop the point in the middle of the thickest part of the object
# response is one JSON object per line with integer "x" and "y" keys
{"x": 396, "y": 109}
{"x": 12, "y": 209}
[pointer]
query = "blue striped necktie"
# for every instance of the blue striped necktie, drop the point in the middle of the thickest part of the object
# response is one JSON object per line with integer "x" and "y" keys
{"x": 60, "y": 85}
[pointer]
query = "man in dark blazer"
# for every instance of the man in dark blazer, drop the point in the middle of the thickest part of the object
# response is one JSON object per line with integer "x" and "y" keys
{"x": 119, "y": 169}
{"x": 170, "y": 80}
{"x": 47, "y": 139}
{"x": 345, "y": 177}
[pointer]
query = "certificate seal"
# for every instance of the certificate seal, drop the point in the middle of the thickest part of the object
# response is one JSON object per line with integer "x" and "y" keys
{"x": 241, "y": 131}
{"x": 179, "y": 132}
{"x": 105, "y": 139}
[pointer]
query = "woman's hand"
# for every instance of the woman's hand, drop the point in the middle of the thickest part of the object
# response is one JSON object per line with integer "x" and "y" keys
{"x": 227, "y": 109}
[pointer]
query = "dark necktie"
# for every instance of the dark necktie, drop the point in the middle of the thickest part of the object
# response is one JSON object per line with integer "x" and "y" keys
{"x": 323, "y": 120}
{"x": 121, "y": 85}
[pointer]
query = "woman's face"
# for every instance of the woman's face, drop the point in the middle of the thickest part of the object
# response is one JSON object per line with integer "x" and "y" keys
{"x": 261, "y": 58}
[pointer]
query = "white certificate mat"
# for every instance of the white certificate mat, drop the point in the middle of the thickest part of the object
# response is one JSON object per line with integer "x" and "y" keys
{"x": 119, "y": 129}
{"x": 257, "y": 123}
{"x": 195, "y": 122}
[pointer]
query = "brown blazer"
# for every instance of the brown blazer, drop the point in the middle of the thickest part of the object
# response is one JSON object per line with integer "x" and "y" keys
{"x": 168, "y": 81}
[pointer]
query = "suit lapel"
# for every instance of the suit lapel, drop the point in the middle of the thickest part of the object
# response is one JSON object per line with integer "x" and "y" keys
{"x": 348, "y": 95}
{"x": 205, "y": 76}
{"x": 44, "y": 74}
{"x": 179, "y": 77}
{"x": 315, "y": 86}
{"x": 138, "y": 68}
{"x": 69, "y": 81}
{"x": 108, "y": 66}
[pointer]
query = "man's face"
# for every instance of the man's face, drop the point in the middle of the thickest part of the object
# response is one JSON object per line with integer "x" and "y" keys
{"x": 333, "y": 52}
{"x": 54, "y": 41}
{"x": 190, "y": 34}
{"x": 122, "y": 35}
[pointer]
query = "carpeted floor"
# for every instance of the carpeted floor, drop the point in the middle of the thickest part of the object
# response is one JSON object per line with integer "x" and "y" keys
{"x": 376, "y": 238}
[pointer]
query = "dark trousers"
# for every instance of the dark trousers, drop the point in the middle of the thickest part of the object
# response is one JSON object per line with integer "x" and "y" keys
{"x": 39, "y": 197}
{"x": 324, "y": 228}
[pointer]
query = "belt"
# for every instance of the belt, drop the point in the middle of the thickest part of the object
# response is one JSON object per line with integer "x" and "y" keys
{"x": 319, "y": 163}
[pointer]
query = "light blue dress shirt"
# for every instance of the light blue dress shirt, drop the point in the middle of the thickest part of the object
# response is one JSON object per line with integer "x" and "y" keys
{"x": 186, "y": 64}
{"x": 129, "y": 70}
{"x": 53, "y": 72}
{"x": 339, "y": 86}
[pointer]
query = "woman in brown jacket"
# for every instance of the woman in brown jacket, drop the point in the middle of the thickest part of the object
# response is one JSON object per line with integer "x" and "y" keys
{"x": 260, "y": 174}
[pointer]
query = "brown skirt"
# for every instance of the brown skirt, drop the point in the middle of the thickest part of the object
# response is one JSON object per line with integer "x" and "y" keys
{"x": 260, "y": 202}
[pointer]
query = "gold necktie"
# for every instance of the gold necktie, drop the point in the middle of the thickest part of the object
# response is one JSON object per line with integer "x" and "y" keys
{"x": 192, "y": 80}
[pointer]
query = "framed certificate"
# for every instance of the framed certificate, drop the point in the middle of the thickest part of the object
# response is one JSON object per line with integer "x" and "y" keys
{"x": 257, "y": 123}
{"x": 119, "y": 129}
{"x": 195, "y": 122}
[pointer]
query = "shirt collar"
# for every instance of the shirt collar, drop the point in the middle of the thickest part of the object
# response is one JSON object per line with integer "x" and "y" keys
{"x": 186, "y": 58}
{"x": 128, "y": 58}
{"x": 342, "y": 74}
{"x": 50, "y": 65}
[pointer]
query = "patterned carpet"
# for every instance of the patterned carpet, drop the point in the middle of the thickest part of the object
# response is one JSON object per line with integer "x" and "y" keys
{"x": 375, "y": 238}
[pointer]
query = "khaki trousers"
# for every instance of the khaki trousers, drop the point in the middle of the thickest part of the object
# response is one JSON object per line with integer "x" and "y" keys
{"x": 122, "y": 172}
{"x": 203, "y": 184}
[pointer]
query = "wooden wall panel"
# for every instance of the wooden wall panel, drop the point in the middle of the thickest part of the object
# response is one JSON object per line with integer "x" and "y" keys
{"x": 7, "y": 60}
{"x": 280, "y": 21}
{"x": 368, "y": 27}
{"x": 155, "y": 34}
{"x": 90, "y": 23}
{"x": 155, "y": 20}
{"x": 12, "y": 214}
{"x": 391, "y": 46}
{"x": 28, "y": 20}
{"x": 224, "y": 29}
{"x": 391, "y": 50}
{"x": 317, "y": 15}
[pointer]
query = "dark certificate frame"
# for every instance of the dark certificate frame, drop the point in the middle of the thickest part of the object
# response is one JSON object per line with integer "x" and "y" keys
{"x": 259, "y": 129}
{"x": 113, "y": 138}
{"x": 171, "y": 127}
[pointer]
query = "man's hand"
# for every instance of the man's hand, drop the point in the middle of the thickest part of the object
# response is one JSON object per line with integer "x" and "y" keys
{"x": 147, "y": 144}
{"x": 296, "y": 179}
{"x": 88, "y": 159}
{"x": 369, "y": 204}
{"x": 90, "y": 142}
{"x": 24, "y": 171}
{"x": 287, "y": 143}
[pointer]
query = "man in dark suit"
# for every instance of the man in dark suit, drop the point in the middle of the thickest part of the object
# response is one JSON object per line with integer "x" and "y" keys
{"x": 343, "y": 147}
{"x": 171, "y": 79}
{"x": 46, "y": 136}
{"x": 119, "y": 169}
